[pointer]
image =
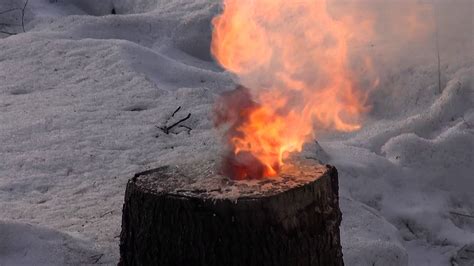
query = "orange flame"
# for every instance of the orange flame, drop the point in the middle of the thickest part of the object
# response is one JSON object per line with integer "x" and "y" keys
{"x": 294, "y": 57}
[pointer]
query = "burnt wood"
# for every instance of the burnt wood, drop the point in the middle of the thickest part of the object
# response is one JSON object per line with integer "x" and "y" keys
{"x": 191, "y": 215}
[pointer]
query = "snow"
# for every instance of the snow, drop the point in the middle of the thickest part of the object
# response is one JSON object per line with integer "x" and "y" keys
{"x": 367, "y": 238}
{"x": 26, "y": 244}
{"x": 82, "y": 94}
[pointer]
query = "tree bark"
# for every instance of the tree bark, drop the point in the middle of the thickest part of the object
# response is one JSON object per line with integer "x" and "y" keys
{"x": 193, "y": 216}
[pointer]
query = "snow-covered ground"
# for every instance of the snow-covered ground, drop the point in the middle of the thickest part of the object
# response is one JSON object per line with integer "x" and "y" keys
{"x": 83, "y": 92}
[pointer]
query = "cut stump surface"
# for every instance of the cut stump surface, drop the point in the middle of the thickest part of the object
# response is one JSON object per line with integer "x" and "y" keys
{"x": 191, "y": 215}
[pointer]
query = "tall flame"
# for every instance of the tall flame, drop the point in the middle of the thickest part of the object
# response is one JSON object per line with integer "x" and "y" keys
{"x": 294, "y": 57}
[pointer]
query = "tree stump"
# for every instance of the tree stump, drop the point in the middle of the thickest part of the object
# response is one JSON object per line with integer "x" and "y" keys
{"x": 190, "y": 215}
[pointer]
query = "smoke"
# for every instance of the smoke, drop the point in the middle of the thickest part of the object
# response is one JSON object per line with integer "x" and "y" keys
{"x": 410, "y": 20}
{"x": 410, "y": 32}
{"x": 407, "y": 38}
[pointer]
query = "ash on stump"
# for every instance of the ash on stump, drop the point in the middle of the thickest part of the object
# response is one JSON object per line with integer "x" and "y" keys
{"x": 193, "y": 216}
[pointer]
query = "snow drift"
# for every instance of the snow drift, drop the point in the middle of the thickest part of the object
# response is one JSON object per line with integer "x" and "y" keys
{"x": 83, "y": 92}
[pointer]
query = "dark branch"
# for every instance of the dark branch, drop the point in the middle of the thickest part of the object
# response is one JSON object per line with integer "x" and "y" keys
{"x": 104, "y": 214}
{"x": 167, "y": 129}
{"x": 186, "y": 127}
{"x": 171, "y": 116}
{"x": 180, "y": 121}
{"x": 175, "y": 111}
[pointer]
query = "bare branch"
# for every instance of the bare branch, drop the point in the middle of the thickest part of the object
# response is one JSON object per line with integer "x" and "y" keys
{"x": 175, "y": 111}
{"x": 186, "y": 127}
{"x": 172, "y": 115}
{"x": 167, "y": 129}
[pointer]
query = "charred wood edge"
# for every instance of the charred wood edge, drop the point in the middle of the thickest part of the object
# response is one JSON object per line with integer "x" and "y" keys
{"x": 167, "y": 129}
{"x": 22, "y": 18}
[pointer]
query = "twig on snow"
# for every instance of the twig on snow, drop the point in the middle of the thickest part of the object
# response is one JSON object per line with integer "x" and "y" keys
{"x": 172, "y": 115}
{"x": 167, "y": 129}
{"x": 175, "y": 111}
{"x": 187, "y": 128}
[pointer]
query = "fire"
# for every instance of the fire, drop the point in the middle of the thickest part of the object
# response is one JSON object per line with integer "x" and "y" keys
{"x": 294, "y": 57}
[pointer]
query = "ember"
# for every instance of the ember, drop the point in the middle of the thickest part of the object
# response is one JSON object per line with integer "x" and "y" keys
{"x": 294, "y": 56}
